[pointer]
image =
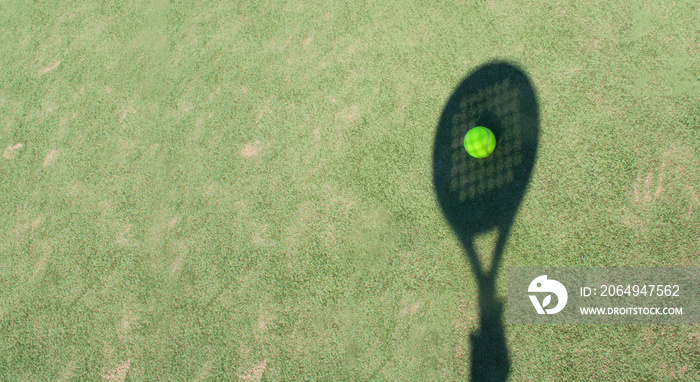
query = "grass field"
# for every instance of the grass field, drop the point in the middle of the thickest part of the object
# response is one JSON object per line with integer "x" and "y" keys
{"x": 242, "y": 190}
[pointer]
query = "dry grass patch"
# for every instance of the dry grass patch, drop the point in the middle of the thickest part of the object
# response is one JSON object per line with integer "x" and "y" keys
{"x": 251, "y": 149}
{"x": 12, "y": 151}
{"x": 119, "y": 373}
{"x": 49, "y": 68}
{"x": 255, "y": 373}
{"x": 204, "y": 371}
{"x": 348, "y": 114}
{"x": 51, "y": 157}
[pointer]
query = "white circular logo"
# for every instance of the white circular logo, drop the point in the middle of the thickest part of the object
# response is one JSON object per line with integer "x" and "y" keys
{"x": 541, "y": 284}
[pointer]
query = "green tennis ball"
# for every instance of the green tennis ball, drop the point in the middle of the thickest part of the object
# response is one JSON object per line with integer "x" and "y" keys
{"x": 479, "y": 142}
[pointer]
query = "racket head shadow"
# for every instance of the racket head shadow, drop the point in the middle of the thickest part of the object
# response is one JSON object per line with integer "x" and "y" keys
{"x": 479, "y": 194}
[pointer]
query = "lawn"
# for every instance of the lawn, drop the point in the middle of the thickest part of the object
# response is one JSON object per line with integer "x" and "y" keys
{"x": 196, "y": 190}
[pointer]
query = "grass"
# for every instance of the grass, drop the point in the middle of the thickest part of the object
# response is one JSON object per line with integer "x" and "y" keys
{"x": 243, "y": 190}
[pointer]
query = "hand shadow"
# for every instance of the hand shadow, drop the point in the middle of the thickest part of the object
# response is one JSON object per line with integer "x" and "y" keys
{"x": 480, "y": 195}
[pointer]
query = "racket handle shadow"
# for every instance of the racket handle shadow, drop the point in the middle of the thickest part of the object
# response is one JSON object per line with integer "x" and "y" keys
{"x": 490, "y": 360}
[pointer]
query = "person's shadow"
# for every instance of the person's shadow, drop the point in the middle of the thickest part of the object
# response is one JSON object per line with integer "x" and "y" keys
{"x": 480, "y": 195}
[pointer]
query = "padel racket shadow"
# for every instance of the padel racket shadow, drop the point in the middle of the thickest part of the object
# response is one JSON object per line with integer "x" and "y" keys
{"x": 480, "y": 195}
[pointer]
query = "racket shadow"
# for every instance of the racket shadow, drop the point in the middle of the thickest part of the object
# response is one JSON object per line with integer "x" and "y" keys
{"x": 481, "y": 195}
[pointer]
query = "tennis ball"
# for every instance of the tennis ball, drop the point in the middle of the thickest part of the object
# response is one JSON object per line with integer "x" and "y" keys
{"x": 479, "y": 142}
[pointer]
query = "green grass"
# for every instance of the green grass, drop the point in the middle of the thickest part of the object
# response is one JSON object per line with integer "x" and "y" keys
{"x": 242, "y": 190}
